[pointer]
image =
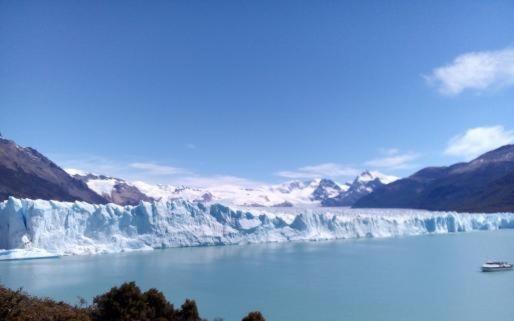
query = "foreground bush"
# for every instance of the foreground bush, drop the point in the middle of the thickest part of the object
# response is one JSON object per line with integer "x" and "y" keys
{"x": 254, "y": 316}
{"x": 17, "y": 306}
{"x": 124, "y": 303}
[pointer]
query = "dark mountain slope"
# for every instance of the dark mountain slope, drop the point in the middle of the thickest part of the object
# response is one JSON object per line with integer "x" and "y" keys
{"x": 483, "y": 184}
{"x": 497, "y": 196}
{"x": 25, "y": 173}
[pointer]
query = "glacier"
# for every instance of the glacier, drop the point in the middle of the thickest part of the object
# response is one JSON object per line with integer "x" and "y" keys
{"x": 38, "y": 228}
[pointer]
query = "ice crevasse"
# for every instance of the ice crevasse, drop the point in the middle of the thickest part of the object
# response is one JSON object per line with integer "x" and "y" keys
{"x": 37, "y": 228}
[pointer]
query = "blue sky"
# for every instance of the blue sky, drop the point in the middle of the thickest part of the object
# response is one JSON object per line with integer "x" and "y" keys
{"x": 206, "y": 91}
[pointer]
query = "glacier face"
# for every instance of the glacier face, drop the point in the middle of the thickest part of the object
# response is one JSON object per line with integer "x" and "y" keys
{"x": 58, "y": 228}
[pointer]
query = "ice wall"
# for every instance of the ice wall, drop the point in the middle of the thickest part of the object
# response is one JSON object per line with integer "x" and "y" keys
{"x": 59, "y": 228}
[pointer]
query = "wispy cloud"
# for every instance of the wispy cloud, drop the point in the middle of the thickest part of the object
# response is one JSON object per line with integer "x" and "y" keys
{"x": 89, "y": 164}
{"x": 190, "y": 146}
{"x": 321, "y": 170}
{"x": 389, "y": 151}
{"x": 149, "y": 172}
{"x": 155, "y": 169}
{"x": 393, "y": 159}
{"x": 214, "y": 181}
{"x": 476, "y": 71}
{"x": 476, "y": 141}
{"x": 144, "y": 170}
{"x": 180, "y": 176}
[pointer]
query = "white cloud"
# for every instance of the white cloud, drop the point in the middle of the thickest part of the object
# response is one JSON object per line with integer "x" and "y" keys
{"x": 155, "y": 169}
{"x": 214, "y": 181}
{"x": 393, "y": 159}
{"x": 389, "y": 151}
{"x": 475, "y": 70}
{"x": 148, "y": 172}
{"x": 190, "y": 146}
{"x": 84, "y": 164}
{"x": 476, "y": 141}
{"x": 321, "y": 170}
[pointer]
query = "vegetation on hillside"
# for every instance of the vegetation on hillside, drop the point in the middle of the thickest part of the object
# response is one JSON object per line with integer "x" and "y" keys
{"x": 124, "y": 303}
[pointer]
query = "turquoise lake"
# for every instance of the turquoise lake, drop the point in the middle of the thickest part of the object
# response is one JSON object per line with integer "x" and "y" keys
{"x": 423, "y": 278}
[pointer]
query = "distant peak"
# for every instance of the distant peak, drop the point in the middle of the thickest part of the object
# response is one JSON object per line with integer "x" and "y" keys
{"x": 367, "y": 176}
{"x": 326, "y": 182}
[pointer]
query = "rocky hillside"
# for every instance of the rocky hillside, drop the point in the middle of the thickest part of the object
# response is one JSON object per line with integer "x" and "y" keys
{"x": 115, "y": 190}
{"x": 485, "y": 184}
{"x": 26, "y": 173}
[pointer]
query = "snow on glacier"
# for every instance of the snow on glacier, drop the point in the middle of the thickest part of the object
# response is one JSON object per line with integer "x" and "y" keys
{"x": 47, "y": 228}
{"x": 294, "y": 192}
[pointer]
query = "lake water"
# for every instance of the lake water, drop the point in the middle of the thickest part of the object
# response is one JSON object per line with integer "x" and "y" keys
{"x": 413, "y": 278}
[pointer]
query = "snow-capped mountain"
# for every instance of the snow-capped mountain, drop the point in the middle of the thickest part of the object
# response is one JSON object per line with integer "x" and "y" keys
{"x": 313, "y": 192}
{"x": 115, "y": 190}
{"x": 24, "y": 172}
{"x": 36, "y": 228}
{"x": 328, "y": 189}
{"x": 287, "y": 194}
{"x": 364, "y": 184}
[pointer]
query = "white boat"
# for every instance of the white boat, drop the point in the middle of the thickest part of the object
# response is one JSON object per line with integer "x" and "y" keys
{"x": 493, "y": 266}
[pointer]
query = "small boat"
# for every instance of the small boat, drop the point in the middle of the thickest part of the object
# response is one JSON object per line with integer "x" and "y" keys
{"x": 493, "y": 266}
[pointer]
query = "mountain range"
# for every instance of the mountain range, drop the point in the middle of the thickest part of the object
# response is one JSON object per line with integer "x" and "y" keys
{"x": 26, "y": 173}
{"x": 364, "y": 184}
{"x": 313, "y": 192}
{"x": 485, "y": 184}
